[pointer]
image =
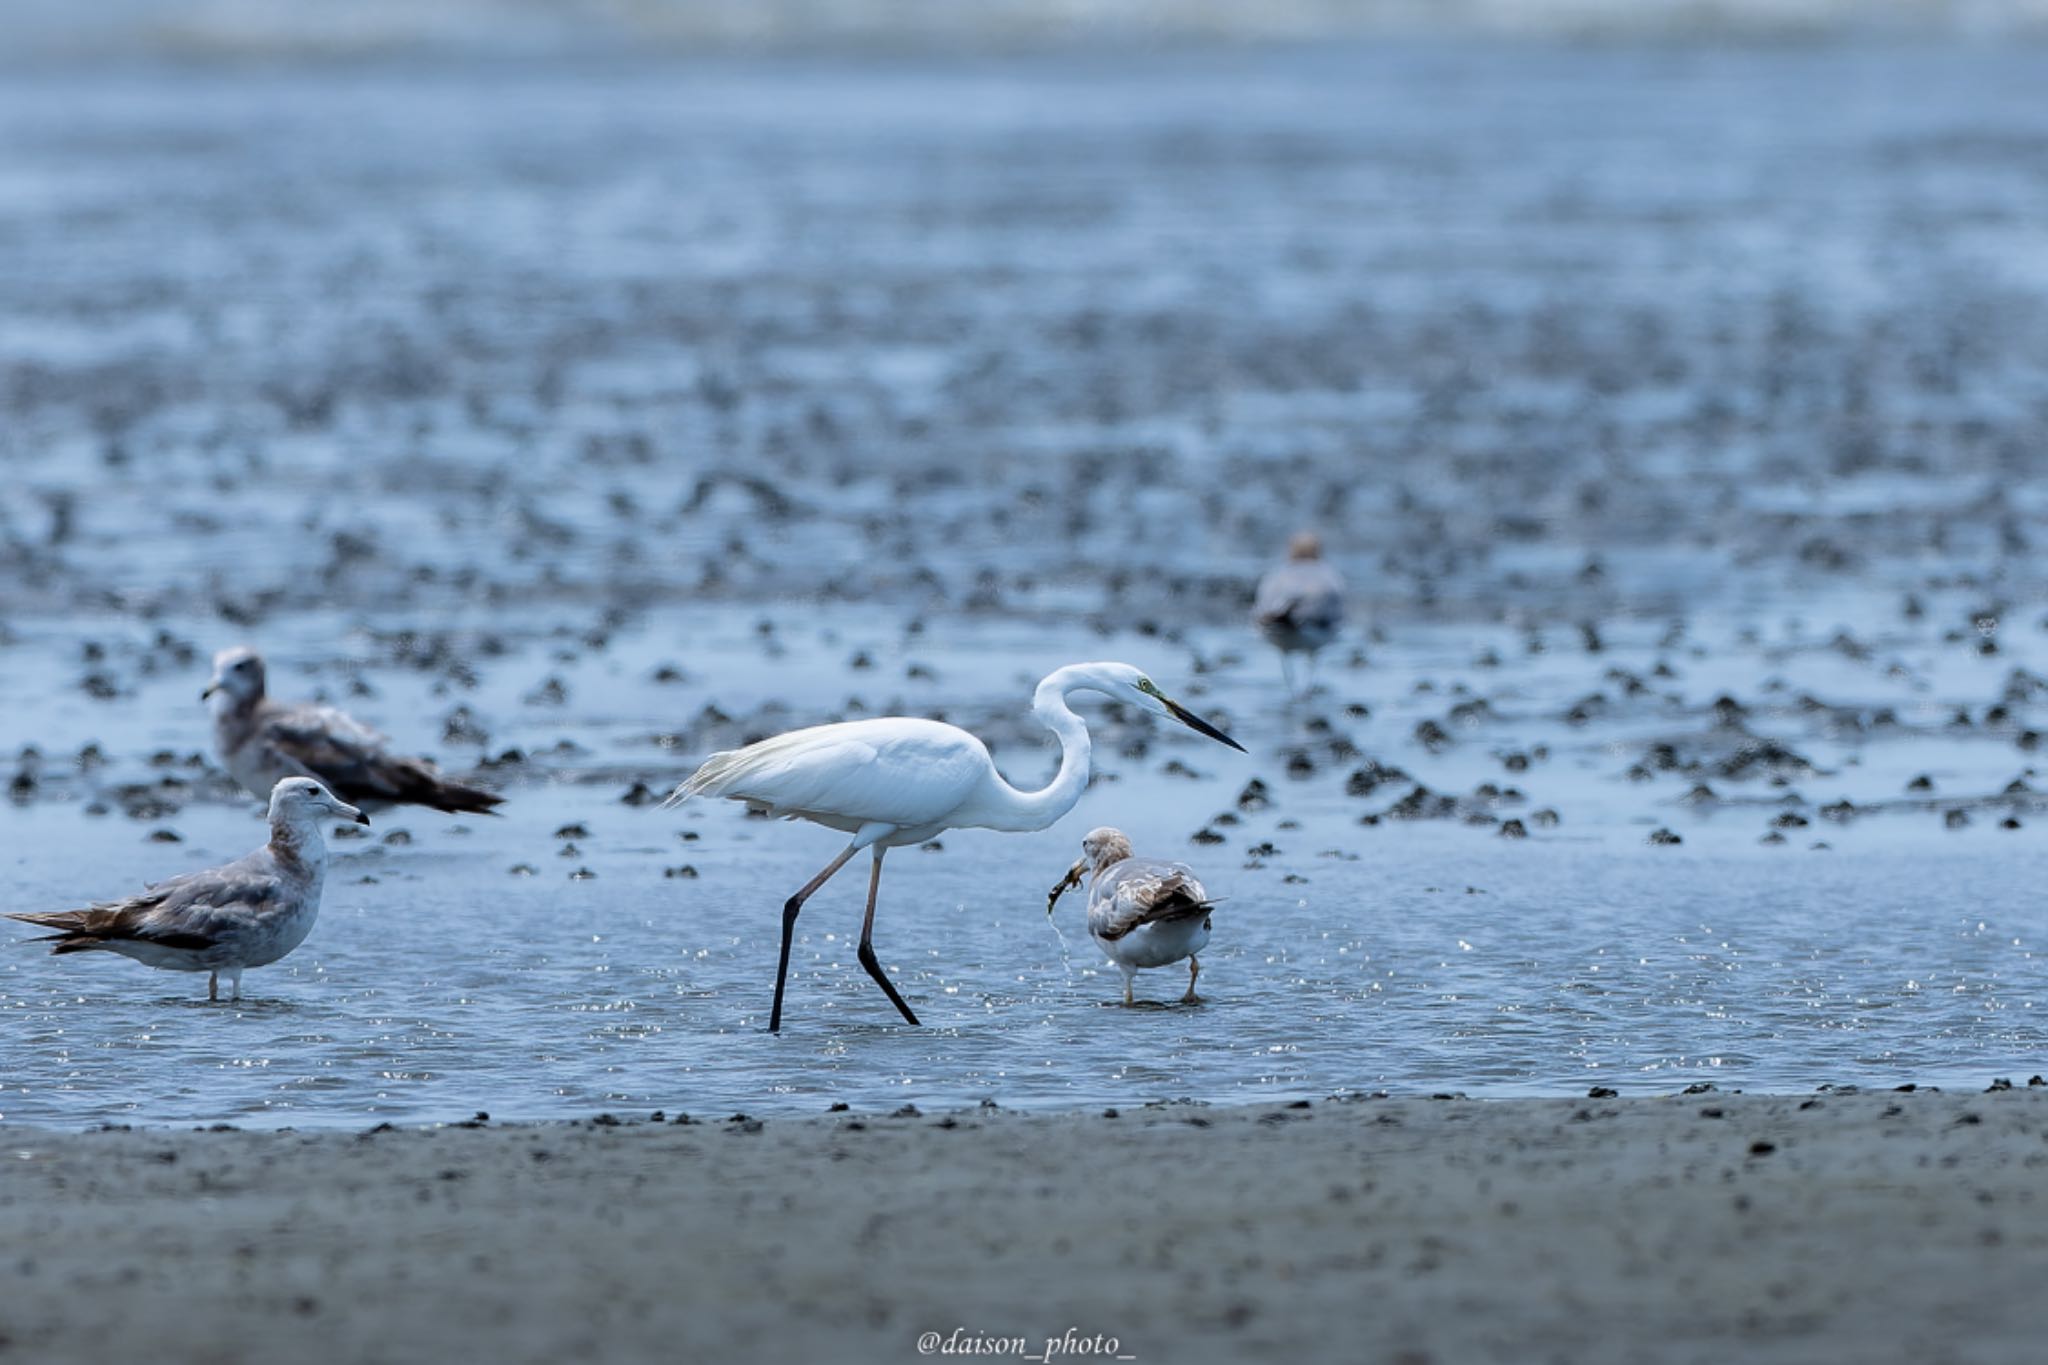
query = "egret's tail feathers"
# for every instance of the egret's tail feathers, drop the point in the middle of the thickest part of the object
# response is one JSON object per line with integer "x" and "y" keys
{"x": 708, "y": 780}
{"x": 730, "y": 772}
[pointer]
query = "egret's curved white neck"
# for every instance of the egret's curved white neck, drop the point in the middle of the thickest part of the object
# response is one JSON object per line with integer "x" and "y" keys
{"x": 1036, "y": 810}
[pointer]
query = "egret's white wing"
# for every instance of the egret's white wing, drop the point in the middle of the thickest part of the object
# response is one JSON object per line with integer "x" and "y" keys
{"x": 1302, "y": 594}
{"x": 896, "y": 771}
{"x": 1140, "y": 891}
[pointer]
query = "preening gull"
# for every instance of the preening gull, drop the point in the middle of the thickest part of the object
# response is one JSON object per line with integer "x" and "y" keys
{"x": 263, "y": 741}
{"x": 248, "y": 913}
{"x": 1142, "y": 912}
{"x": 1300, "y": 604}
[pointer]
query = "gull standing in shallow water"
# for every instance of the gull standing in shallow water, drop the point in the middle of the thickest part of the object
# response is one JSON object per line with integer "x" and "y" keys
{"x": 248, "y": 913}
{"x": 899, "y": 780}
{"x": 263, "y": 741}
{"x": 1142, "y": 912}
{"x": 1300, "y": 605}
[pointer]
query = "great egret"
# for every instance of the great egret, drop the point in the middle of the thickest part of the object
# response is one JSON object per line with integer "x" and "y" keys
{"x": 899, "y": 780}
{"x": 263, "y": 741}
{"x": 248, "y": 913}
{"x": 1142, "y": 912}
{"x": 1300, "y": 605}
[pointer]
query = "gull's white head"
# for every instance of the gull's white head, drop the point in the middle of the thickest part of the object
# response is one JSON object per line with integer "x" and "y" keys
{"x": 301, "y": 800}
{"x": 1103, "y": 846}
{"x": 237, "y": 677}
{"x": 1128, "y": 684}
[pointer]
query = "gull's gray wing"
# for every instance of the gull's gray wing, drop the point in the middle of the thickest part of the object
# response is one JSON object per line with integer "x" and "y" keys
{"x": 1140, "y": 891}
{"x": 354, "y": 762}
{"x": 192, "y": 912}
{"x": 328, "y": 744}
{"x": 1304, "y": 594}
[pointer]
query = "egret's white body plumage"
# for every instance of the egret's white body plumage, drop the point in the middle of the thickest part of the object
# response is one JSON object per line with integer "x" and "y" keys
{"x": 911, "y": 775}
{"x": 900, "y": 780}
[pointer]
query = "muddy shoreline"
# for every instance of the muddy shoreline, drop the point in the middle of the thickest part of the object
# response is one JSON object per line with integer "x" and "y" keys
{"x": 1697, "y": 1226}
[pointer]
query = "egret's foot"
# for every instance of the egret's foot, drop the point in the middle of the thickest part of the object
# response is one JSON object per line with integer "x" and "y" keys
{"x": 1191, "y": 998}
{"x": 213, "y": 986}
{"x": 1194, "y": 971}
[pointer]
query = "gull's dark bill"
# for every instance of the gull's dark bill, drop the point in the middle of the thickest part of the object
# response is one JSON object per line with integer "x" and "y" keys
{"x": 1200, "y": 726}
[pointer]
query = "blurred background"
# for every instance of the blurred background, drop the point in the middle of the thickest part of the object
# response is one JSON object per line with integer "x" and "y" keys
{"x": 571, "y": 389}
{"x": 1075, "y": 306}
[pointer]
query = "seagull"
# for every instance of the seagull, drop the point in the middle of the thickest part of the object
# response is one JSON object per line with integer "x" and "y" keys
{"x": 262, "y": 741}
{"x": 248, "y": 913}
{"x": 899, "y": 780}
{"x": 1300, "y": 604}
{"x": 1142, "y": 912}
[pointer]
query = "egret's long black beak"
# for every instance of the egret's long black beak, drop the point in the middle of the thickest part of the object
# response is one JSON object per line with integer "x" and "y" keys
{"x": 211, "y": 688}
{"x": 1200, "y": 726}
{"x": 361, "y": 818}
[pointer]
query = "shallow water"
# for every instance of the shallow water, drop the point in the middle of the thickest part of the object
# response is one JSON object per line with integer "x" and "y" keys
{"x": 1411, "y": 955}
{"x": 570, "y": 423}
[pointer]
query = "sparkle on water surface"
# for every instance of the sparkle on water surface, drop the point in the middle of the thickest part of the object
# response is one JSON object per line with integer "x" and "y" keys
{"x": 1619, "y": 380}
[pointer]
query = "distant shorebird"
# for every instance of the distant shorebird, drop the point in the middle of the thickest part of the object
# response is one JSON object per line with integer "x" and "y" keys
{"x": 263, "y": 741}
{"x": 1142, "y": 912}
{"x": 248, "y": 913}
{"x": 897, "y": 780}
{"x": 1300, "y": 605}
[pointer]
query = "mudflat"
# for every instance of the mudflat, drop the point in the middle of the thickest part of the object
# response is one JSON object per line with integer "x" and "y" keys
{"x": 1871, "y": 1226}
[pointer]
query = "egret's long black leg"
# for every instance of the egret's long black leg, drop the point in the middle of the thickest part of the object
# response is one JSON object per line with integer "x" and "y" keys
{"x": 867, "y": 943}
{"x": 790, "y": 908}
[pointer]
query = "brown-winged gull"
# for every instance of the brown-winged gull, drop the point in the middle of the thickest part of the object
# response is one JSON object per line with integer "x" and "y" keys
{"x": 263, "y": 741}
{"x": 248, "y": 913}
{"x": 1300, "y": 604}
{"x": 1142, "y": 912}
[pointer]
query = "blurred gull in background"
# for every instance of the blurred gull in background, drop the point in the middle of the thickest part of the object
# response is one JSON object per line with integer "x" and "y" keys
{"x": 1300, "y": 606}
{"x": 263, "y": 741}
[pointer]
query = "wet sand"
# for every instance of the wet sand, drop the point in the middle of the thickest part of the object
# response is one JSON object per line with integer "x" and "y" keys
{"x": 1850, "y": 1226}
